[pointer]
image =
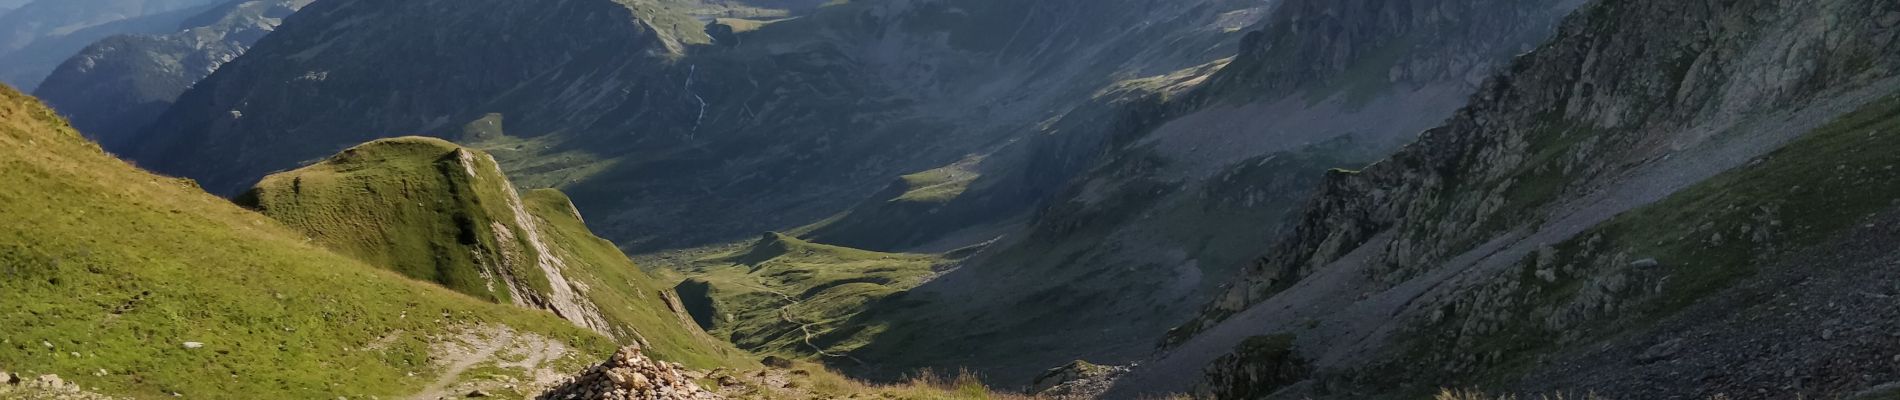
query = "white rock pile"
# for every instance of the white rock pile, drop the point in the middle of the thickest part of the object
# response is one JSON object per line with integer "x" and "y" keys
{"x": 630, "y": 375}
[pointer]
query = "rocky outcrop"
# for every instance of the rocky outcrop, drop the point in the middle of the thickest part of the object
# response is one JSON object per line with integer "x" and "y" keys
{"x": 118, "y": 85}
{"x": 1632, "y": 102}
{"x": 1257, "y": 369}
{"x": 1076, "y": 380}
{"x": 630, "y": 375}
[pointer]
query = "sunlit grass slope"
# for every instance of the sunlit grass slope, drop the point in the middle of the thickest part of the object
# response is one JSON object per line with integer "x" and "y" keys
{"x": 420, "y": 206}
{"x": 106, "y": 271}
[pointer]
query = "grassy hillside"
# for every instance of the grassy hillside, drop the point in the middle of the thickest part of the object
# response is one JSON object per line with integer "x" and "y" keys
{"x": 410, "y": 204}
{"x": 782, "y": 295}
{"x": 436, "y": 211}
{"x": 109, "y": 271}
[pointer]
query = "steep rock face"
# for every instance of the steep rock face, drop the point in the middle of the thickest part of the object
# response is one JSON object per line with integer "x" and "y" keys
{"x": 439, "y": 212}
{"x": 35, "y": 37}
{"x": 1634, "y": 101}
{"x": 118, "y": 85}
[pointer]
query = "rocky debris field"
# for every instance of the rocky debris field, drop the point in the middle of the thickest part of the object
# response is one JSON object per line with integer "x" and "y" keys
{"x": 630, "y": 375}
{"x": 14, "y": 386}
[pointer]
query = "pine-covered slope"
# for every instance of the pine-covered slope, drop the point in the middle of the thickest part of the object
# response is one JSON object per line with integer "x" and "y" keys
{"x": 118, "y": 85}
{"x": 439, "y": 212}
{"x": 132, "y": 284}
{"x": 1653, "y": 156}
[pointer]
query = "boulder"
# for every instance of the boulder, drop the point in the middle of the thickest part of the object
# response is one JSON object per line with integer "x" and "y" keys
{"x": 1647, "y": 263}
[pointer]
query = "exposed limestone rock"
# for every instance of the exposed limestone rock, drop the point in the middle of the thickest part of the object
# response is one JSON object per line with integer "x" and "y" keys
{"x": 564, "y": 299}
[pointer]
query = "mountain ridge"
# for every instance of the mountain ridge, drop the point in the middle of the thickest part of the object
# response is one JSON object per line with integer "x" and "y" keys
{"x": 118, "y": 85}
